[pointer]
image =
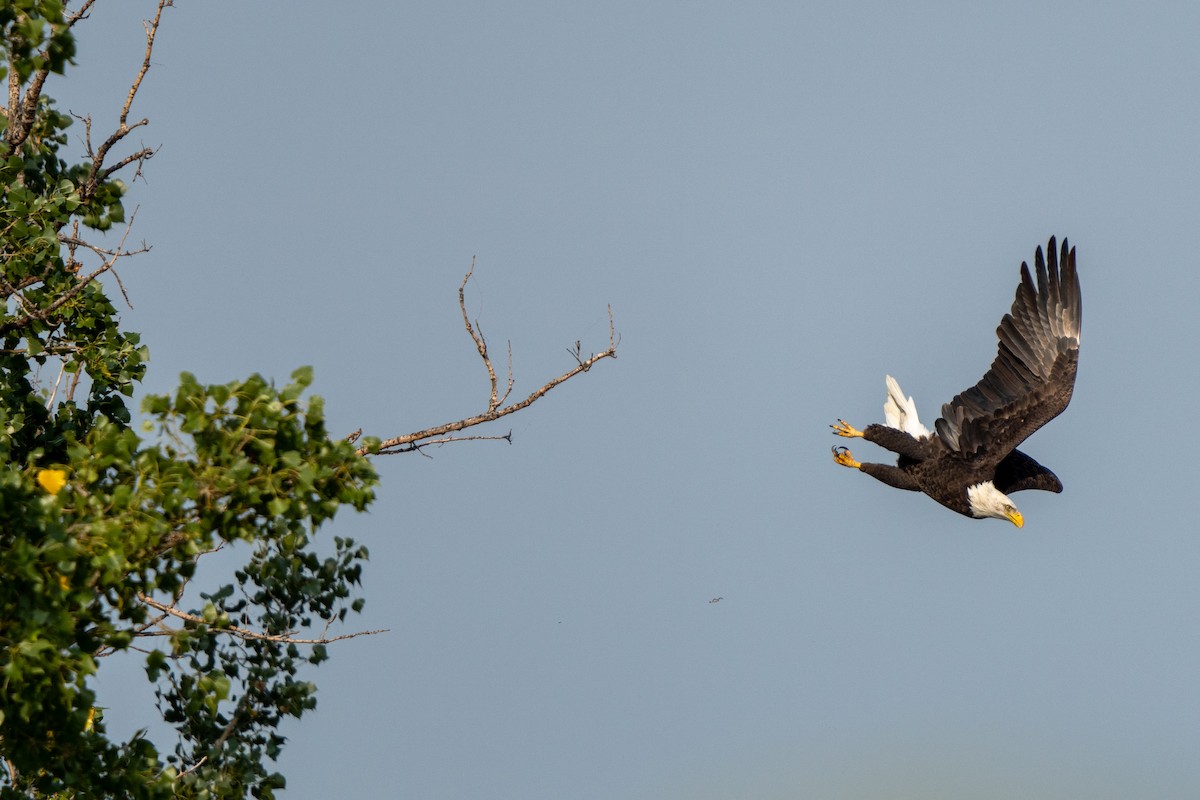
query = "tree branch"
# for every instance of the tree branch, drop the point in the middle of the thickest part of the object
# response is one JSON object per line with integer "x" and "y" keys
{"x": 242, "y": 633}
{"x": 98, "y": 172}
{"x": 418, "y": 446}
{"x": 14, "y": 134}
{"x": 413, "y": 442}
{"x": 82, "y": 13}
{"x": 476, "y": 334}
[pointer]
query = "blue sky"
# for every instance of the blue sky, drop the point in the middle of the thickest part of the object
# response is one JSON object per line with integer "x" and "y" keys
{"x": 782, "y": 202}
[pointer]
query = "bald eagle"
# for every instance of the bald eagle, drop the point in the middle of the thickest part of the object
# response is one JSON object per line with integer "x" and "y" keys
{"x": 969, "y": 462}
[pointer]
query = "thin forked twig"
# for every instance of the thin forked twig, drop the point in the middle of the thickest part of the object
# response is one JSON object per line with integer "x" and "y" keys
{"x": 243, "y": 633}
{"x": 74, "y": 16}
{"x": 420, "y": 446}
{"x": 476, "y": 334}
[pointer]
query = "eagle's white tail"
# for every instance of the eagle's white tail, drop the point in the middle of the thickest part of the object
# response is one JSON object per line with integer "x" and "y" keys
{"x": 901, "y": 412}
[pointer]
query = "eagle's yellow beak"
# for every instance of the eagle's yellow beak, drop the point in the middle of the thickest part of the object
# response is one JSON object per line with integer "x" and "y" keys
{"x": 1015, "y": 518}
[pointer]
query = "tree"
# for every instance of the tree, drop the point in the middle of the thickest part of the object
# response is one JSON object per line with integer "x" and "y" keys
{"x": 105, "y": 527}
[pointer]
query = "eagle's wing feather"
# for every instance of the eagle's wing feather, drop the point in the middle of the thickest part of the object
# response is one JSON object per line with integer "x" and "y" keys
{"x": 1031, "y": 380}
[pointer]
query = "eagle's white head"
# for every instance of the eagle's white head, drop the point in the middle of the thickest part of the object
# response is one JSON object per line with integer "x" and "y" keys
{"x": 988, "y": 501}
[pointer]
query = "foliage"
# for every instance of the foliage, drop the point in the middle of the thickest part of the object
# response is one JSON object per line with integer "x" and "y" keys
{"x": 103, "y": 526}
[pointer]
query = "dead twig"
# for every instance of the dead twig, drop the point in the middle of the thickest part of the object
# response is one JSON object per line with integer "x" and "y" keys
{"x": 414, "y": 442}
{"x": 476, "y": 334}
{"x": 242, "y": 633}
{"x": 420, "y": 446}
{"x": 74, "y": 16}
{"x": 98, "y": 173}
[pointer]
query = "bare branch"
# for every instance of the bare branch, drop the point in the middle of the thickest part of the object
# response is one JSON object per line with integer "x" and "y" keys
{"x": 62, "y": 369}
{"x": 82, "y": 13}
{"x": 420, "y": 446}
{"x": 243, "y": 633}
{"x": 477, "y": 336}
{"x": 74, "y": 384}
{"x": 99, "y": 172}
{"x": 86, "y": 119}
{"x": 508, "y": 389}
{"x": 141, "y": 156}
{"x": 13, "y": 134}
{"x": 15, "y": 291}
{"x": 29, "y": 105}
{"x": 151, "y": 32}
{"x": 75, "y": 241}
{"x": 414, "y": 442}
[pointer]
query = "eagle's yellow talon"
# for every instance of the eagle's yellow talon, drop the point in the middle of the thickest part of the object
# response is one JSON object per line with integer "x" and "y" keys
{"x": 842, "y": 455}
{"x": 844, "y": 428}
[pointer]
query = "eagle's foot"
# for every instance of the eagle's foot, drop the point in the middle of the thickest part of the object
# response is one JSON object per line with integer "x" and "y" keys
{"x": 844, "y": 428}
{"x": 842, "y": 455}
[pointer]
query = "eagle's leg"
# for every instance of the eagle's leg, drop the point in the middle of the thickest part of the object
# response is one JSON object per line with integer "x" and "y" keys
{"x": 892, "y": 476}
{"x": 895, "y": 440}
{"x": 844, "y": 428}
{"x": 841, "y": 455}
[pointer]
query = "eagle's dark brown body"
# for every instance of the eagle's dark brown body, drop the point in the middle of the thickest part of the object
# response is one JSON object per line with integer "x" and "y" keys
{"x": 1029, "y": 383}
{"x": 927, "y": 465}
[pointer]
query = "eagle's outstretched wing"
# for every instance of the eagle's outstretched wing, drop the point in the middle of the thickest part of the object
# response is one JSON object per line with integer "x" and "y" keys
{"x": 1031, "y": 380}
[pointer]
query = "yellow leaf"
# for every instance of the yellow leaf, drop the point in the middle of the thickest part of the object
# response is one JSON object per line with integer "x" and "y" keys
{"x": 52, "y": 480}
